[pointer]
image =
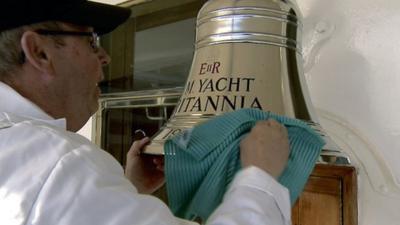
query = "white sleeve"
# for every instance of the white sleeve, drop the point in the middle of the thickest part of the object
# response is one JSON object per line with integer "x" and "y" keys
{"x": 87, "y": 187}
{"x": 253, "y": 198}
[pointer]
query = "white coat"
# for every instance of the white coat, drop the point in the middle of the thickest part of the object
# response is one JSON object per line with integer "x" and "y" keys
{"x": 50, "y": 176}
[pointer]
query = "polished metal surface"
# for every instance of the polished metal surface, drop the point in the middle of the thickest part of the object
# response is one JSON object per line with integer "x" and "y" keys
{"x": 248, "y": 55}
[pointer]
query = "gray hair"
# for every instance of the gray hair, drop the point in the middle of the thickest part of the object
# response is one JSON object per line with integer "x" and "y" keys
{"x": 11, "y": 54}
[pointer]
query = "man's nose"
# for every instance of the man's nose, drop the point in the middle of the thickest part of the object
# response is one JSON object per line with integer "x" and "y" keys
{"x": 104, "y": 57}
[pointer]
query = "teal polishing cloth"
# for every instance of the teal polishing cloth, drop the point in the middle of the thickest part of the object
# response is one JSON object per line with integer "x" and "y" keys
{"x": 201, "y": 162}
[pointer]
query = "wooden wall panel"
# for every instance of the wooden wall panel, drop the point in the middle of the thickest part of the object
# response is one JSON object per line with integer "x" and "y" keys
{"x": 329, "y": 198}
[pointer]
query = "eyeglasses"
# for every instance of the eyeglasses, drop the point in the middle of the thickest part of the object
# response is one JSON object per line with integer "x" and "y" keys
{"x": 94, "y": 41}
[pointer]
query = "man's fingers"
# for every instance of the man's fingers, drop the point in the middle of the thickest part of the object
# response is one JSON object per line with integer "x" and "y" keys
{"x": 273, "y": 123}
{"x": 137, "y": 146}
{"x": 160, "y": 168}
{"x": 266, "y": 147}
{"x": 159, "y": 163}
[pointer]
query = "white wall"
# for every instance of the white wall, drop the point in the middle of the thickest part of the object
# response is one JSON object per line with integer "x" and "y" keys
{"x": 352, "y": 67}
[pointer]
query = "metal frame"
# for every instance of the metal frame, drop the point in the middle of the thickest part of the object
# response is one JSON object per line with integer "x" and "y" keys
{"x": 133, "y": 99}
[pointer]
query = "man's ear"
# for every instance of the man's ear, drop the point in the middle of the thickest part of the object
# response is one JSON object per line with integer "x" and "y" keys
{"x": 36, "y": 51}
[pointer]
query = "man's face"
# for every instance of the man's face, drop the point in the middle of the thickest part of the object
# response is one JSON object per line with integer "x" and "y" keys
{"x": 79, "y": 69}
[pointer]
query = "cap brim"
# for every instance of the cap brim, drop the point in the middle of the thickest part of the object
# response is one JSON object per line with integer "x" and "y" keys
{"x": 102, "y": 17}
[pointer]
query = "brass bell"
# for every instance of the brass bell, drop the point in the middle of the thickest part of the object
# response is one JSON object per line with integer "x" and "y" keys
{"x": 247, "y": 55}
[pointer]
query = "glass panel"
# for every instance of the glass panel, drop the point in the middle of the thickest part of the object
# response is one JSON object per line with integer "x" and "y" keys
{"x": 163, "y": 55}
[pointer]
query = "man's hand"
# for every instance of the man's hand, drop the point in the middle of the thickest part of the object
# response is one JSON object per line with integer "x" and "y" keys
{"x": 267, "y": 147}
{"x": 144, "y": 171}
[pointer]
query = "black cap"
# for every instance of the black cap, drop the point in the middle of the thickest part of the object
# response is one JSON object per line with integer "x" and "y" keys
{"x": 102, "y": 17}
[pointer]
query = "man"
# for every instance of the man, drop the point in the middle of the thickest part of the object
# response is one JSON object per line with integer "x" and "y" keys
{"x": 50, "y": 64}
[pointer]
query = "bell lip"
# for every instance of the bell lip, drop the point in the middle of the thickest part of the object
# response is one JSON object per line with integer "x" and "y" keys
{"x": 153, "y": 149}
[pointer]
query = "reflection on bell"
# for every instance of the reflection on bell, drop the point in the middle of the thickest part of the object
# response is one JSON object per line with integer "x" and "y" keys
{"x": 247, "y": 55}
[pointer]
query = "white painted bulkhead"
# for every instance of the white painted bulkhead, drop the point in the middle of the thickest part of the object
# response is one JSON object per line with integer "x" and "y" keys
{"x": 351, "y": 53}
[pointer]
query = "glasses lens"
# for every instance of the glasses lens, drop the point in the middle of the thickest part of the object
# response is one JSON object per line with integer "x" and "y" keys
{"x": 95, "y": 42}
